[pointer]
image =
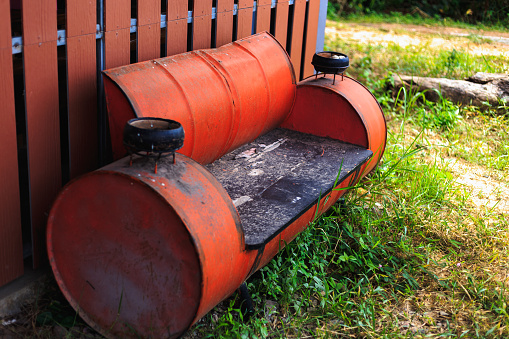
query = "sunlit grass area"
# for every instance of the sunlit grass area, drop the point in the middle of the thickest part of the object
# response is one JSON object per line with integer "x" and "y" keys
{"x": 410, "y": 19}
{"x": 408, "y": 52}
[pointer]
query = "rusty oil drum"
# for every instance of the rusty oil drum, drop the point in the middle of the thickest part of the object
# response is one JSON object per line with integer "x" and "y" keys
{"x": 131, "y": 249}
{"x": 227, "y": 96}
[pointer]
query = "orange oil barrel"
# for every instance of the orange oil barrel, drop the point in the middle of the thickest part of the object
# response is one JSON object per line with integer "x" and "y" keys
{"x": 348, "y": 111}
{"x": 227, "y": 96}
{"x": 131, "y": 249}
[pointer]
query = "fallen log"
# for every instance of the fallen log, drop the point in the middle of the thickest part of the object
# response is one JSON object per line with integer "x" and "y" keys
{"x": 482, "y": 89}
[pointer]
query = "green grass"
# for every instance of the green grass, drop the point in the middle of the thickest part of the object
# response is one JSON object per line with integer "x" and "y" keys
{"x": 370, "y": 62}
{"x": 409, "y": 19}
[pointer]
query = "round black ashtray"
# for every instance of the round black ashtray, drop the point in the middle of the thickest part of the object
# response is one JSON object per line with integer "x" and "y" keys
{"x": 153, "y": 136}
{"x": 330, "y": 62}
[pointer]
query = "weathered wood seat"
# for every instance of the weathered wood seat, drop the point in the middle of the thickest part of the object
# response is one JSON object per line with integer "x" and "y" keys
{"x": 282, "y": 174}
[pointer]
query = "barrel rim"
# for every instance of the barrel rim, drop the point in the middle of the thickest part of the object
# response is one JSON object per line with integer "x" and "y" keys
{"x": 57, "y": 272}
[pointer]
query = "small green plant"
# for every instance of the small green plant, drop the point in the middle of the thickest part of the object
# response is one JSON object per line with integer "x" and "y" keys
{"x": 443, "y": 115}
{"x": 452, "y": 62}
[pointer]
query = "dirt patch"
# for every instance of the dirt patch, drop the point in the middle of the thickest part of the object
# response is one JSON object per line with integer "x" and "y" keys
{"x": 486, "y": 191}
{"x": 488, "y": 188}
{"x": 474, "y": 41}
{"x": 438, "y": 30}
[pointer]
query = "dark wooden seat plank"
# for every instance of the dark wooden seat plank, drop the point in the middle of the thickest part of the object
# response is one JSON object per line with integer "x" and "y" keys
{"x": 280, "y": 175}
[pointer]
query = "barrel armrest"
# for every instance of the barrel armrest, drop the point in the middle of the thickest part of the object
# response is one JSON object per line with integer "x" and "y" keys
{"x": 345, "y": 111}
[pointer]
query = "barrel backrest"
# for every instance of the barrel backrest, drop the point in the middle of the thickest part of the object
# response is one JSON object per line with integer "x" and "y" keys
{"x": 223, "y": 97}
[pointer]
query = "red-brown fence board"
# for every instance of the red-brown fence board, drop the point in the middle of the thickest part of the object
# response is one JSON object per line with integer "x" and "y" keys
{"x": 245, "y": 4}
{"x": 82, "y": 103}
{"x": 42, "y": 114}
{"x": 224, "y": 6}
{"x": 81, "y": 17}
{"x": 149, "y": 42}
{"x": 244, "y": 18}
{"x": 202, "y": 24}
{"x": 116, "y": 47}
{"x": 263, "y": 18}
{"x": 202, "y": 8}
{"x": 224, "y": 31}
{"x": 117, "y": 14}
{"x": 82, "y": 86}
{"x": 224, "y": 20}
{"x": 176, "y": 36}
{"x": 39, "y": 21}
{"x": 43, "y": 133}
{"x": 177, "y": 9}
{"x": 117, "y": 23}
{"x": 311, "y": 34}
{"x": 149, "y": 12}
{"x": 281, "y": 25}
{"x": 244, "y": 22}
{"x": 11, "y": 248}
{"x": 176, "y": 26}
{"x": 149, "y": 30}
{"x": 202, "y": 28}
{"x": 299, "y": 15}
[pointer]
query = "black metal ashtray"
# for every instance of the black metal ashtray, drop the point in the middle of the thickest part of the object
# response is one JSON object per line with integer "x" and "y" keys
{"x": 329, "y": 62}
{"x": 153, "y": 137}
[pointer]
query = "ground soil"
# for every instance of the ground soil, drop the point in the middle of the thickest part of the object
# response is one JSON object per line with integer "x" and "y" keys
{"x": 495, "y": 43}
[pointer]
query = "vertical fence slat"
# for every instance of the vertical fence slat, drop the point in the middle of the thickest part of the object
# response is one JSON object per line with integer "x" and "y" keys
{"x": 116, "y": 48}
{"x": 81, "y": 17}
{"x": 117, "y": 14}
{"x": 281, "y": 26}
{"x": 224, "y": 21}
{"x": 263, "y": 10}
{"x": 82, "y": 104}
{"x": 39, "y": 21}
{"x": 176, "y": 37}
{"x": 299, "y": 15}
{"x": 311, "y": 34}
{"x": 202, "y": 28}
{"x": 42, "y": 114}
{"x": 244, "y": 18}
{"x": 149, "y": 30}
{"x": 117, "y": 23}
{"x": 176, "y": 26}
{"x": 202, "y": 24}
{"x": 11, "y": 250}
{"x": 82, "y": 86}
{"x": 177, "y": 9}
{"x": 148, "y": 42}
{"x": 224, "y": 28}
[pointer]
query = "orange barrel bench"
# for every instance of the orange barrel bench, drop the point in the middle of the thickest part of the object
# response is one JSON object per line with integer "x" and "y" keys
{"x": 139, "y": 252}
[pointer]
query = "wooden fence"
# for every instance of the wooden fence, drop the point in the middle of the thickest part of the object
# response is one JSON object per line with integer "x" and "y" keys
{"x": 54, "y": 125}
